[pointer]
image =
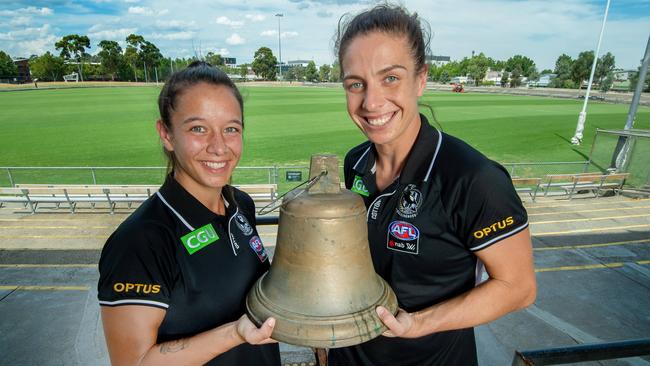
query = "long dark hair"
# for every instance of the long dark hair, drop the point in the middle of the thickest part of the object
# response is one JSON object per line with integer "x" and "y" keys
{"x": 195, "y": 73}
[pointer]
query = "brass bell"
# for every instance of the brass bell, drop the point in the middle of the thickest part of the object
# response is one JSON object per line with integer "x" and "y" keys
{"x": 322, "y": 288}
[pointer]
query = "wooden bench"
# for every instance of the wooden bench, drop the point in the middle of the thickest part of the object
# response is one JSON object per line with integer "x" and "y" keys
{"x": 259, "y": 192}
{"x": 527, "y": 185}
{"x": 71, "y": 195}
{"x": 570, "y": 184}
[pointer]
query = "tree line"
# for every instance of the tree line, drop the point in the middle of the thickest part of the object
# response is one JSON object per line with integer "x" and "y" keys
{"x": 141, "y": 60}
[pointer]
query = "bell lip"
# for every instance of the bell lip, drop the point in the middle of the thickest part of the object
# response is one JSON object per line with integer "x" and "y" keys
{"x": 342, "y": 324}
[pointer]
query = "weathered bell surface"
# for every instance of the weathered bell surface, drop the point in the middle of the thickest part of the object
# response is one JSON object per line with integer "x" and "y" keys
{"x": 322, "y": 288}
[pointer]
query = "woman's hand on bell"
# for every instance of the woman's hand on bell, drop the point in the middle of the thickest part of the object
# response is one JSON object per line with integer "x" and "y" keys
{"x": 254, "y": 335}
{"x": 401, "y": 325}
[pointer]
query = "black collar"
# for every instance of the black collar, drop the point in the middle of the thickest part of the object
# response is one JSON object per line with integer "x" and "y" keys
{"x": 188, "y": 207}
{"x": 420, "y": 160}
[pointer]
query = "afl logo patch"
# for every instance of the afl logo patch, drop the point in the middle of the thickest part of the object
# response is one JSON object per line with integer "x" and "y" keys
{"x": 403, "y": 237}
{"x": 409, "y": 202}
{"x": 258, "y": 248}
{"x": 243, "y": 224}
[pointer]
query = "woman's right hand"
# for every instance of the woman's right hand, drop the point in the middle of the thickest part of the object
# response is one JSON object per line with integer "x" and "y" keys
{"x": 248, "y": 332}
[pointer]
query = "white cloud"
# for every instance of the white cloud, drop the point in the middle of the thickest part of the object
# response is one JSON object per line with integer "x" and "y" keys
{"x": 231, "y": 23}
{"x": 131, "y": 1}
{"x": 222, "y": 51}
{"x": 288, "y": 34}
{"x": 163, "y": 12}
{"x": 175, "y": 24}
{"x": 37, "y": 46}
{"x": 142, "y": 10}
{"x": 111, "y": 34}
{"x": 29, "y": 10}
{"x": 255, "y": 17}
{"x": 175, "y": 36}
{"x": 20, "y": 21}
{"x": 235, "y": 39}
{"x": 269, "y": 33}
{"x": 22, "y": 34}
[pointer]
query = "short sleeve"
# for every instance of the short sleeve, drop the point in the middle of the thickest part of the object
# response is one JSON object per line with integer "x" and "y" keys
{"x": 492, "y": 210}
{"x": 136, "y": 268}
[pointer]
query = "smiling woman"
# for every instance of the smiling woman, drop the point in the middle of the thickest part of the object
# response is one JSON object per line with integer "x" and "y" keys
{"x": 427, "y": 193}
{"x": 174, "y": 275}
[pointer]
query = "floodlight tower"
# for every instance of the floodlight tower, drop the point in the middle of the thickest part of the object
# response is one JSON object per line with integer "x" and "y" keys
{"x": 279, "y": 15}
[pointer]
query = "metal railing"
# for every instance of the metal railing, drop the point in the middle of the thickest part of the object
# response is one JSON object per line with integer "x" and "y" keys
{"x": 274, "y": 174}
{"x": 583, "y": 353}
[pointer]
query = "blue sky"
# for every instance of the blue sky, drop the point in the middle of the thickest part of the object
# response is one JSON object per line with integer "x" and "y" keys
{"x": 540, "y": 29}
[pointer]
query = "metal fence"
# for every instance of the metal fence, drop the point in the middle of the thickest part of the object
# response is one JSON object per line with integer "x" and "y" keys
{"x": 285, "y": 176}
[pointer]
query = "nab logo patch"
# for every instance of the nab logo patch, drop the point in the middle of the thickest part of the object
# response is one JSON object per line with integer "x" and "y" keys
{"x": 258, "y": 248}
{"x": 403, "y": 237}
{"x": 359, "y": 187}
{"x": 199, "y": 238}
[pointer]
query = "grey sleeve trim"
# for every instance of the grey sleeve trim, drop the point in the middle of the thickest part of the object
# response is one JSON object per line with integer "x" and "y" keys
{"x": 500, "y": 237}
{"x": 157, "y": 304}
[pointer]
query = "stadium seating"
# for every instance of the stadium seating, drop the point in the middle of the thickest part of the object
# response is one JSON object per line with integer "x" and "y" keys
{"x": 70, "y": 195}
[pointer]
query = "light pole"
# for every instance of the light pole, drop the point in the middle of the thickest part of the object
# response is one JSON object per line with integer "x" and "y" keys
{"x": 279, "y": 15}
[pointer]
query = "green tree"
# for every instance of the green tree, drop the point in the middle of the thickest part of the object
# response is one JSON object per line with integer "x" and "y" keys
{"x": 634, "y": 78}
{"x": 7, "y": 66}
{"x": 324, "y": 72}
{"x": 335, "y": 74}
{"x": 604, "y": 67}
{"x": 47, "y": 67}
{"x": 526, "y": 65}
{"x": 515, "y": 77}
{"x": 132, "y": 53}
{"x": 151, "y": 57}
{"x": 243, "y": 71}
{"x": 311, "y": 73}
{"x": 214, "y": 59}
{"x": 73, "y": 46}
{"x": 546, "y": 71}
{"x": 581, "y": 67}
{"x": 444, "y": 77}
{"x": 110, "y": 57}
{"x": 265, "y": 64}
{"x": 607, "y": 82}
{"x": 477, "y": 68}
{"x": 504, "y": 79}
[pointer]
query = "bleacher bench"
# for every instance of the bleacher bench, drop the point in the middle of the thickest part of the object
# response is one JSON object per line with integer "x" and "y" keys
{"x": 570, "y": 184}
{"x": 70, "y": 195}
{"x": 527, "y": 185}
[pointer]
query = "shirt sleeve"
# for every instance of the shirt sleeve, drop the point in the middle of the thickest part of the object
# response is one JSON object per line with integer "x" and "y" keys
{"x": 492, "y": 210}
{"x": 136, "y": 268}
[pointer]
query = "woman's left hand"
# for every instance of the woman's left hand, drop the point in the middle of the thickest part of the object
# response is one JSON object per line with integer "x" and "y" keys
{"x": 401, "y": 325}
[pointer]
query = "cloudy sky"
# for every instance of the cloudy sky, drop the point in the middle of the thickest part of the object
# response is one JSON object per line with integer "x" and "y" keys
{"x": 540, "y": 29}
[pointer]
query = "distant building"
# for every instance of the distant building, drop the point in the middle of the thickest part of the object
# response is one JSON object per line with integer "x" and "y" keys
{"x": 230, "y": 61}
{"x": 437, "y": 60}
{"x": 493, "y": 76}
{"x": 458, "y": 80}
{"x": 623, "y": 75}
{"x": 24, "y": 75}
{"x": 544, "y": 80}
{"x": 302, "y": 63}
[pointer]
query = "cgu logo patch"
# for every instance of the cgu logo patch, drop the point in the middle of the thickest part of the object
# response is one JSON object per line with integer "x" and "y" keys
{"x": 359, "y": 187}
{"x": 499, "y": 225}
{"x": 140, "y": 288}
{"x": 258, "y": 248}
{"x": 199, "y": 238}
{"x": 403, "y": 237}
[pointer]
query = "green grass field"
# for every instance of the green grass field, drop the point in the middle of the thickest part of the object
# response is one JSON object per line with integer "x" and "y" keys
{"x": 284, "y": 126}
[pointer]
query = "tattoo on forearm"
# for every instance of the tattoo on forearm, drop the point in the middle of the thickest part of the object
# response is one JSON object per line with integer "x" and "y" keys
{"x": 174, "y": 346}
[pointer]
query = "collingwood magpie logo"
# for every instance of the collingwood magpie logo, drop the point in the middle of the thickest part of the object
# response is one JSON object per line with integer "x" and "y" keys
{"x": 409, "y": 202}
{"x": 243, "y": 224}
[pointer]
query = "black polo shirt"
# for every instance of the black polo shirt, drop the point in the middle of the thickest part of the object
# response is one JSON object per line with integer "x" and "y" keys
{"x": 448, "y": 202}
{"x": 175, "y": 254}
